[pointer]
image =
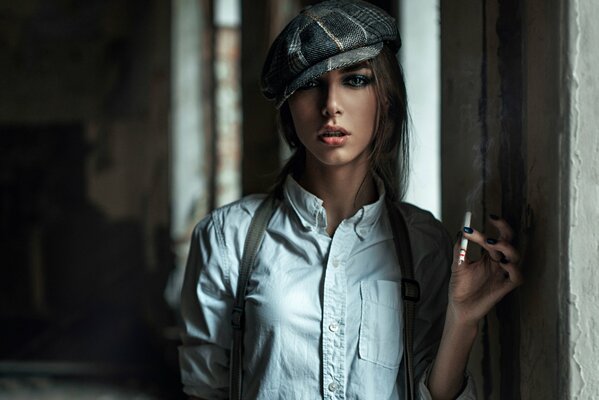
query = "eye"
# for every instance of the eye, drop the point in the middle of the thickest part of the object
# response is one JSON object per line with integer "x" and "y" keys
{"x": 309, "y": 85}
{"x": 357, "y": 80}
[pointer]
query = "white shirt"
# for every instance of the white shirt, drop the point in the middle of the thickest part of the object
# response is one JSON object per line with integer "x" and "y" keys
{"x": 323, "y": 314}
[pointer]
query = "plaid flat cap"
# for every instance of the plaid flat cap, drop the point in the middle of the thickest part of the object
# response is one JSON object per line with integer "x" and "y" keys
{"x": 323, "y": 37}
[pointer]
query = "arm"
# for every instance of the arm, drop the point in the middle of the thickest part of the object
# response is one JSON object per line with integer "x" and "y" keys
{"x": 474, "y": 289}
{"x": 205, "y": 309}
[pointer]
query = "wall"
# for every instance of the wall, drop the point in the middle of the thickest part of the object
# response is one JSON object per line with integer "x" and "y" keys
{"x": 582, "y": 82}
{"x": 471, "y": 137}
{"x": 92, "y": 80}
{"x": 519, "y": 84}
{"x": 544, "y": 323}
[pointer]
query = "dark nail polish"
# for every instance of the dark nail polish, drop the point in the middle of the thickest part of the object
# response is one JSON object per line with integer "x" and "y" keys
{"x": 468, "y": 230}
{"x": 491, "y": 241}
{"x": 504, "y": 260}
{"x": 493, "y": 217}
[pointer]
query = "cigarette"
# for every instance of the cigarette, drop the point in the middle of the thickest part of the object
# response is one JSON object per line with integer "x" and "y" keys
{"x": 464, "y": 242}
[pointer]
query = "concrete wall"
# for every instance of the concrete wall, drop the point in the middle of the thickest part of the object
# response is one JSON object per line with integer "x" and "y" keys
{"x": 581, "y": 80}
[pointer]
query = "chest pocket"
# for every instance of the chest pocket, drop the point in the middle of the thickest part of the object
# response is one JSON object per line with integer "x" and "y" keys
{"x": 381, "y": 323}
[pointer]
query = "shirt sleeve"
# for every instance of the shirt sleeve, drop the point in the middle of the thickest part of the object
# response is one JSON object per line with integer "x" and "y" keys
{"x": 206, "y": 304}
{"x": 467, "y": 393}
{"x": 432, "y": 251}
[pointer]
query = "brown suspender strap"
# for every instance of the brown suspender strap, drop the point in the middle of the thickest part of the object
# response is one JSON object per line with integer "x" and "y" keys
{"x": 250, "y": 250}
{"x": 410, "y": 290}
{"x": 409, "y": 287}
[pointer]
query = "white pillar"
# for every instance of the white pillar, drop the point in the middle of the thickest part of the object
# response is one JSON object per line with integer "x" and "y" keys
{"x": 227, "y": 98}
{"x": 420, "y": 58}
{"x": 189, "y": 181}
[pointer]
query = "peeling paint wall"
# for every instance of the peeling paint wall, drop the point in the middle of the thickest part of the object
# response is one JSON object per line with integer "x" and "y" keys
{"x": 583, "y": 242}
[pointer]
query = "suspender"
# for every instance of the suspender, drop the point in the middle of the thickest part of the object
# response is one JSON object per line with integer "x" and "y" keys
{"x": 410, "y": 290}
{"x": 250, "y": 249}
{"x": 409, "y": 287}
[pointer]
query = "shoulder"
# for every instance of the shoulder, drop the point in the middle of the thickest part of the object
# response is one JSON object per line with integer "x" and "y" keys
{"x": 426, "y": 232}
{"x": 217, "y": 243}
{"x": 421, "y": 221}
{"x": 234, "y": 214}
{"x": 227, "y": 226}
{"x": 238, "y": 212}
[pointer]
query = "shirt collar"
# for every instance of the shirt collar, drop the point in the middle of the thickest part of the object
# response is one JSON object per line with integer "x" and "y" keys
{"x": 312, "y": 214}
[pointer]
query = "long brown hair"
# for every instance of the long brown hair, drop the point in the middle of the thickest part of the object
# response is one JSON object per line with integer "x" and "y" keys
{"x": 389, "y": 155}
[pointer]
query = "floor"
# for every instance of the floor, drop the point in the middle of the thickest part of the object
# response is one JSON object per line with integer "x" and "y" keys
{"x": 47, "y": 388}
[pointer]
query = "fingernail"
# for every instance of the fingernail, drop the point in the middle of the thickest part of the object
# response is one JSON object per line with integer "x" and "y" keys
{"x": 468, "y": 230}
{"x": 491, "y": 241}
{"x": 493, "y": 217}
{"x": 504, "y": 260}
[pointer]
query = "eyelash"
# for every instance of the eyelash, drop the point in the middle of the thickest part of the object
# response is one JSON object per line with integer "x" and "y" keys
{"x": 350, "y": 80}
{"x": 363, "y": 80}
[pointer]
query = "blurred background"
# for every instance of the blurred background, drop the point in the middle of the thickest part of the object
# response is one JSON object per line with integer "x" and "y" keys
{"x": 122, "y": 123}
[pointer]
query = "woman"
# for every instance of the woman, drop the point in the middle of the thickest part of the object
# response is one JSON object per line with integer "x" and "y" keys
{"x": 323, "y": 303}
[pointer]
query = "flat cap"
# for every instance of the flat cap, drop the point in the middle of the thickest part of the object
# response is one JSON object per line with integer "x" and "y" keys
{"x": 326, "y": 36}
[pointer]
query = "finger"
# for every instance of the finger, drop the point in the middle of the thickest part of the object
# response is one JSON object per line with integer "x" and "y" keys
{"x": 506, "y": 232}
{"x": 493, "y": 250}
{"x": 501, "y": 250}
{"x": 474, "y": 236}
{"x": 514, "y": 274}
{"x": 456, "y": 252}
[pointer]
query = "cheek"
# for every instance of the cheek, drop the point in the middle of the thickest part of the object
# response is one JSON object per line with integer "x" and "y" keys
{"x": 303, "y": 114}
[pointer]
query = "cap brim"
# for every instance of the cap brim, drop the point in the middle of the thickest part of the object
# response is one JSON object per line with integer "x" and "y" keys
{"x": 337, "y": 61}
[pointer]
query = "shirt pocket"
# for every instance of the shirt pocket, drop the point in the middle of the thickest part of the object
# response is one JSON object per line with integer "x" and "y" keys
{"x": 381, "y": 323}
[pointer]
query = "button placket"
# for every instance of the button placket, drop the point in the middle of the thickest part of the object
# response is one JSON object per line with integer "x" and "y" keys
{"x": 334, "y": 313}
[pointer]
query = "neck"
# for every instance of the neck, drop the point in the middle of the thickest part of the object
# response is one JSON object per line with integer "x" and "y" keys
{"x": 343, "y": 189}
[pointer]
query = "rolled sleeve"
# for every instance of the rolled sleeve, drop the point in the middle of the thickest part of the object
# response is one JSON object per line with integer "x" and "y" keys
{"x": 206, "y": 304}
{"x": 467, "y": 393}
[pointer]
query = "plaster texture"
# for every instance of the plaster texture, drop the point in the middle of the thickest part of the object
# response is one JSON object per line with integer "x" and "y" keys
{"x": 583, "y": 243}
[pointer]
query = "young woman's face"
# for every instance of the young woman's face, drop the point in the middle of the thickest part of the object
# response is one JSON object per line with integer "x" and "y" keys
{"x": 335, "y": 115}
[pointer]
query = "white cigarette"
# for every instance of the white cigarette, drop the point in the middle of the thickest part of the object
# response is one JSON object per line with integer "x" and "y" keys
{"x": 464, "y": 242}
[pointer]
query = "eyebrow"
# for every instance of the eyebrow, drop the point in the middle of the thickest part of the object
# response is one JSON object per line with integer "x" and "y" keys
{"x": 355, "y": 67}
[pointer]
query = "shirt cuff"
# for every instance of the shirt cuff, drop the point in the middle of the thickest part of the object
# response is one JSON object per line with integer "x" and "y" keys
{"x": 468, "y": 391}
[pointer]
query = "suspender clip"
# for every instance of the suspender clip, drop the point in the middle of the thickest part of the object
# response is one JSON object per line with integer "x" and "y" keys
{"x": 410, "y": 290}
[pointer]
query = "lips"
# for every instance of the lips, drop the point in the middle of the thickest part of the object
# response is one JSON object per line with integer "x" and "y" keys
{"x": 333, "y": 135}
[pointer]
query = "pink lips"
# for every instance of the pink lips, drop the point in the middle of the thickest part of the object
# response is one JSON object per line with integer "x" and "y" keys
{"x": 333, "y": 135}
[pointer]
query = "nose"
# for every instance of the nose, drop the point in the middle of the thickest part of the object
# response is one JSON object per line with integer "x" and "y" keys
{"x": 331, "y": 102}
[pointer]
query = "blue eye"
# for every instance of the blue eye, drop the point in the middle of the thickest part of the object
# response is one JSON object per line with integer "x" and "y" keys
{"x": 358, "y": 80}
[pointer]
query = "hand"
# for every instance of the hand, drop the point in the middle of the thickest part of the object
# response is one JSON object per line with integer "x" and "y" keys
{"x": 476, "y": 286}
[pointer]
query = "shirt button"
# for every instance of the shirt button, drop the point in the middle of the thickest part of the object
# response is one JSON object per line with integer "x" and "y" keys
{"x": 335, "y": 263}
{"x": 333, "y": 386}
{"x": 334, "y": 327}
